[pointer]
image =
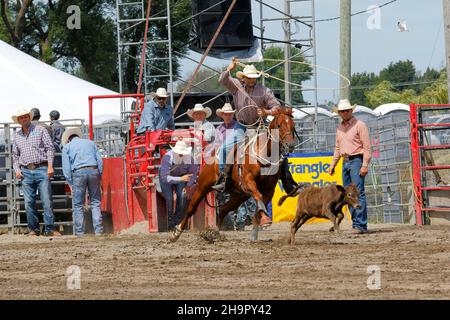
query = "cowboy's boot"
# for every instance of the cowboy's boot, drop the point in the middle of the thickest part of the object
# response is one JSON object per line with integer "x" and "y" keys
{"x": 286, "y": 178}
{"x": 222, "y": 184}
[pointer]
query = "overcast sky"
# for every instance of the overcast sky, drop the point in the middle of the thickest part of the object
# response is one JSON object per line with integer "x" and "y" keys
{"x": 372, "y": 49}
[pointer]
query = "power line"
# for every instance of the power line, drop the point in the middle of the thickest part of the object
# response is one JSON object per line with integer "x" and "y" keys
{"x": 356, "y": 13}
{"x": 435, "y": 41}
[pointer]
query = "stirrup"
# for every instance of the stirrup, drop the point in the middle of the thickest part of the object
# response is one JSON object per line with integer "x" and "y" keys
{"x": 221, "y": 183}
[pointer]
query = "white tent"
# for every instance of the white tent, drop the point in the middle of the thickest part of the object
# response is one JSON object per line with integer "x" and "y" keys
{"x": 391, "y": 107}
{"x": 26, "y": 82}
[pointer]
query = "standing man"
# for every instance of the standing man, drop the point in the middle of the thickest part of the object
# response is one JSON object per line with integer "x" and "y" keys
{"x": 83, "y": 167}
{"x": 35, "y": 119}
{"x": 177, "y": 172}
{"x": 353, "y": 144}
{"x": 58, "y": 129}
{"x": 157, "y": 114}
{"x": 252, "y": 101}
{"x": 33, "y": 154}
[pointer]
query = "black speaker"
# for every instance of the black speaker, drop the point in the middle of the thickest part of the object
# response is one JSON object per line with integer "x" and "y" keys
{"x": 237, "y": 31}
{"x": 213, "y": 6}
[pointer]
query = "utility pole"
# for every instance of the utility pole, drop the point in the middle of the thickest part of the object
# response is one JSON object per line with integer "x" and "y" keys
{"x": 287, "y": 53}
{"x": 345, "y": 48}
{"x": 446, "y": 7}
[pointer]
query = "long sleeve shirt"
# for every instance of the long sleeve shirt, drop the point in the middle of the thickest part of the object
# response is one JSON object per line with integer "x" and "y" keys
{"x": 221, "y": 131}
{"x": 262, "y": 96}
{"x": 58, "y": 130}
{"x": 80, "y": 153}
{"x": 155, "y": 117}
{"x": 36, "y": 147}
{"x": 208, "y": 130}
{"x": 171, "y": 172}
{"x": 352, "y": 138}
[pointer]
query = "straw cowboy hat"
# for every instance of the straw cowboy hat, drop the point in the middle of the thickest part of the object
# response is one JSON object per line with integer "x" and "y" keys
{"x": 21, "y": 112}
{"x": 344, "y": 104}
{"x": 249, "y": 72}
{"x": 181, "y": 148}
{"x": 161, "y": 93}
{"x": 199, "y": 108}
{"x": 70, "y": 132}
{"x": 227, "y": 108}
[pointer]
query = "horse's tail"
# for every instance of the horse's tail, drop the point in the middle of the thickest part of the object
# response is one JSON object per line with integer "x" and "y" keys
{"x": 293, "y": 193}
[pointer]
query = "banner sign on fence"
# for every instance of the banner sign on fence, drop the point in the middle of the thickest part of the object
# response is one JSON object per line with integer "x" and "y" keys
{"x": 310, "y": 169}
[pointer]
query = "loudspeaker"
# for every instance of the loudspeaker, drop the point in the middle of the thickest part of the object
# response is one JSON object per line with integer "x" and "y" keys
{"x": 237, "y": 31}
{"x": 210, "y": 6}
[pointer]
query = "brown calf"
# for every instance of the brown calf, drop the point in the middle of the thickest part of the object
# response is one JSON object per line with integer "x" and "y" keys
{"x": 325, "y": 202}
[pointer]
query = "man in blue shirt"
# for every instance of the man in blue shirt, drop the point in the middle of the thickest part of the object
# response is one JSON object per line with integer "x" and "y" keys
{"x": 177, "y": 172}
{"x": 157, "y": 114}
{"x": 83, "y": 167}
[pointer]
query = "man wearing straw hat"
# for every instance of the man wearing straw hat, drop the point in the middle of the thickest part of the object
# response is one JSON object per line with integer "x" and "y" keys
{"x": 353, "y": 144}
{"x": 157, "y": 114}
{"x": 177, "y": 172}
{"x": 33, "y": 154}
{"x": 252, "y": 101}
{"x": 83, "y": 167}
{"x": 199, "y": 114}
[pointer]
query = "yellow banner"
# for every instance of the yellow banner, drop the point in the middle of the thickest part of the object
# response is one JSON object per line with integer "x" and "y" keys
{"x": 310, "y": 169}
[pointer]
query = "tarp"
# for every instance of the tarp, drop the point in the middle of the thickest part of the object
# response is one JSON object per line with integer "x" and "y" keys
{"x": 26, "y": 82}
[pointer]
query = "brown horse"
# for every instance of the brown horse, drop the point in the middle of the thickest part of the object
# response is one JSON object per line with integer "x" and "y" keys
{"x": 252, "y": 173}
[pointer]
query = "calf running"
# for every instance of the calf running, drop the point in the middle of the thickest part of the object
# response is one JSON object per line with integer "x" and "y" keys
{"x": 324, "y": 202}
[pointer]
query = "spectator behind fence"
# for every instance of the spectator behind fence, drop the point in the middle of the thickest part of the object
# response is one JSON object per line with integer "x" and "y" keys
{"x": 33, "y": 155}
{"x": 82, "y": 168}
{"x": 57, "y": 128}
{"x": 157, "y": 114}
{"x": 178, "y": 172}
{"x": 353, "y": 144}
{"x": 35, "y": 119}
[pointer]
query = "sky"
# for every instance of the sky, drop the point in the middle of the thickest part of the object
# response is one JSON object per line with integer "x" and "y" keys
{"x": 372, "y": 49}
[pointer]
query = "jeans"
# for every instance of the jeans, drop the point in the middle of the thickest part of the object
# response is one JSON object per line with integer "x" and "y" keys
{"x": 89, "y": 179}
{"x": 167, "y": 191}
{"x": 231, "y": 139}
{"x": 32, "y": 181}
{"x": 350, "y": 174}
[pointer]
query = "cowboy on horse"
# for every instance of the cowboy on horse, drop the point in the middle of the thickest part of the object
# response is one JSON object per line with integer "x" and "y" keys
{"x": 255, "y": 172}
{"x": 252, "y": 100}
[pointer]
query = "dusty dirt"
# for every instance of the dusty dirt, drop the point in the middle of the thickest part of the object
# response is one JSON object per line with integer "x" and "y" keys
{"x": 414, "y": 264}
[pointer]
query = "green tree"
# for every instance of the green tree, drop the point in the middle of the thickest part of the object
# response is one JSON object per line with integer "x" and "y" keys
{"x": 361, "y": 82}
{"x": 399, "y": 72}
{"x": 40, "y": 29}
{"x": 300, "y": 72}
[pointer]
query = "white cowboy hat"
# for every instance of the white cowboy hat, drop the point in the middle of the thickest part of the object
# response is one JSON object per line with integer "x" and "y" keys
{"x": 227, "y": 108}
{"x": 70, "y": 132}
{"x": 199, "y": 107}
{"x": 21, "y": 112}
{"x": 249, "y": 72}
{"x": 181, "y": 148}
{"x": 344, "y": 104}
{"x": 161, "y": 92}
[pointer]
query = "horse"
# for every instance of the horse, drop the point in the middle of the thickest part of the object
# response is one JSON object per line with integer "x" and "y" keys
{"x": 246, "y": 173}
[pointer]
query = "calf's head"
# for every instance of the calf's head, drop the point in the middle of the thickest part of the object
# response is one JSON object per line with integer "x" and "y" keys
{"x": 351, "y": 195}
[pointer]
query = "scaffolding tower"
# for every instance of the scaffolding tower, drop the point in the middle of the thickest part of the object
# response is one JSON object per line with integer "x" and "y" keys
{"x": 131, "y": 14}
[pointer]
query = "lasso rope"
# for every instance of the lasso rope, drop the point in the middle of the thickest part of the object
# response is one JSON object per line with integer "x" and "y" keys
{"x": 267, "y": 75}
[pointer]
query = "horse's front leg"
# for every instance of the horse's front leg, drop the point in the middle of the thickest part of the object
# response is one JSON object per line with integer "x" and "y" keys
{"x": 205, "y": 181}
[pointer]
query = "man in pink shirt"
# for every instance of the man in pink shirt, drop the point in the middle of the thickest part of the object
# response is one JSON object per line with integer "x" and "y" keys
{"x": 353, "y": 144}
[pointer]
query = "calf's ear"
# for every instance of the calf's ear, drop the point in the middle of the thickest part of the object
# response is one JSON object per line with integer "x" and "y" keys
{"x": 340, "y": 188}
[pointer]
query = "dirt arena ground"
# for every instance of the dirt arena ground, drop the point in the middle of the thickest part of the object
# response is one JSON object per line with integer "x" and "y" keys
{"x": 414, "y": 264}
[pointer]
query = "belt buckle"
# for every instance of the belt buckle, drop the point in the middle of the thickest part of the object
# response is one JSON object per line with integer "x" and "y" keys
{"x": 346, "y": 157}
{"x": 31, "y": 166}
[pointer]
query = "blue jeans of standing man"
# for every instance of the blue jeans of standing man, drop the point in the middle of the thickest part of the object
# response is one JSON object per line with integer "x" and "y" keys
{"x": 87, "y": 178}
{"x": 350, "y": 174}
{"x": 167, "y": 190}
{"x": 33, "y": 180}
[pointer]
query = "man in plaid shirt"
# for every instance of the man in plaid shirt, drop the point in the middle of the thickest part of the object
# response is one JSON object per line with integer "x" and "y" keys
{"x": 33, "y": 154}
